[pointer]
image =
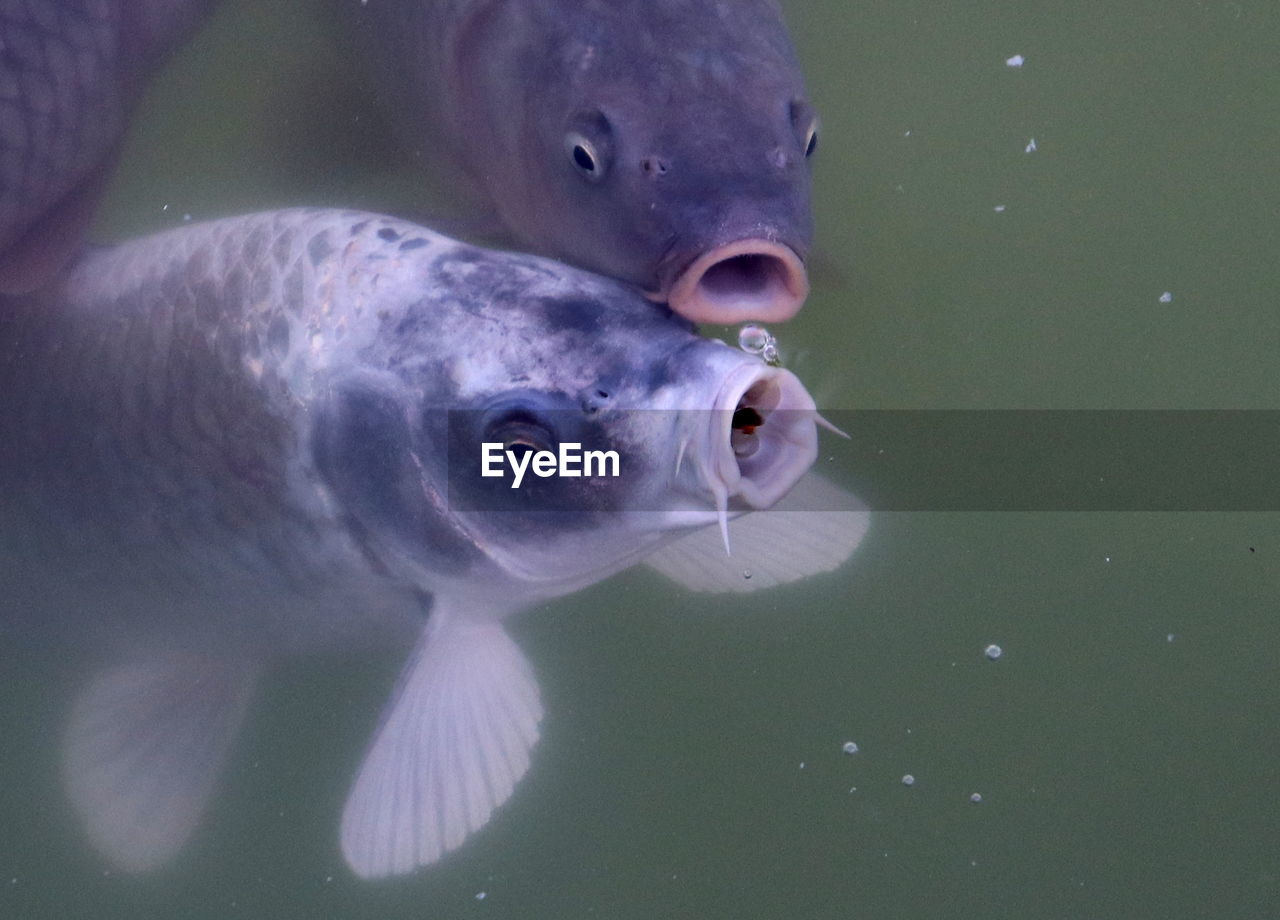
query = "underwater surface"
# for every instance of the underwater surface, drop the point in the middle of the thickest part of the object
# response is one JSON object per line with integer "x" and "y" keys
{"x": 988, "y": 237}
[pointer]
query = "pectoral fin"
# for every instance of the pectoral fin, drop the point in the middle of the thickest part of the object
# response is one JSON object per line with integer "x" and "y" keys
{"x": 143, "y": 750}
{"x": 813, "y": 529}
{"x": 453, "y": 742}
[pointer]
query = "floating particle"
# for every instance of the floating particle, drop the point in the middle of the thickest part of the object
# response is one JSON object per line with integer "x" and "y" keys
{"x": 993, "y": 651}
{"x": 802, "y": 765}
{"x": 976, "y": 798}
{"x": 746, "y": 574}
{"x": 999, "y": 209}
{"x": 481, "y": 895}
{"x": 850, "y": 747}
{"x": 1169, "y": 638}
{"x": 1166, "y": 297}
{"x": 1015, "y": 61}
{"x": 1031, "y": 146}
{"x": 908, "y": 779}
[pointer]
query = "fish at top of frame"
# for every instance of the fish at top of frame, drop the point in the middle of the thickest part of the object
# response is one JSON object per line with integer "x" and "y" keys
{"x": 662, "y": 142}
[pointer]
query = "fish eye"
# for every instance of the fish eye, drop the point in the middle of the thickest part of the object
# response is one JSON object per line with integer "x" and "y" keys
{"x": 811, "y": 139}
{"x": 584, "y": 155}
{"x": 520, "y": 432}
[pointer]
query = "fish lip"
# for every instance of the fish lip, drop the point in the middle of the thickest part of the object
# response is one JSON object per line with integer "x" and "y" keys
{"x": 753, "y": 278}
{"x": 785, "y": 442}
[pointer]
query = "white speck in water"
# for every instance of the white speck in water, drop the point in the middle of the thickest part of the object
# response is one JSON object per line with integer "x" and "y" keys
{"x": 328, "y": 879}
{"x": 976, "y": 798}
{"x": 1031, "y": 146}
{"x": 853, "y": 788}
{"x": 1015, "y": 61}
{"x": 850, "y": 747}
{"x": 1106, "y": 558}
{"x": 999, "y": 209}
{"x": 186, "y": 217}
{"x": 164, "y": 207}
{"x": 746, "y": 575}
{"x": 802, "y": 765}
{"x": 1166, "y": 297}
{"x": 481, "y": 895}
{"x": 1169, "y": 637}
{"x": 993, "y": 651}
{"x": 907, "y": 133}
{"x": 908, "y": 779}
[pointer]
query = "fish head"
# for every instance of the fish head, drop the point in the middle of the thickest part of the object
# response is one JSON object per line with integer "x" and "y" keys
{"x": 517, "y": 358}
{"x": 668, "y": 145}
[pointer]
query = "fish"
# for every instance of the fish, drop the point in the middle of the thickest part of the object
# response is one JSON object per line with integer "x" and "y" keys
{"x": 71, "y": 72}
{"x": 241, "y": 441}
{"x": 666, "y": 143}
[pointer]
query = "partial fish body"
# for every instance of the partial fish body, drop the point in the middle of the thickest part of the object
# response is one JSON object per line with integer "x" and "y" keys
{"x": 260, "y": 436}
{"x": 70, "y": 72}
{"x": 662, "y": 142}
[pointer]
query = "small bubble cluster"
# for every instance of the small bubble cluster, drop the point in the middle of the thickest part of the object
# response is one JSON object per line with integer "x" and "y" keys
{"x": 993, "y": 651}
{"x": 850, "y": 747}
{"x": 757, "y": 340}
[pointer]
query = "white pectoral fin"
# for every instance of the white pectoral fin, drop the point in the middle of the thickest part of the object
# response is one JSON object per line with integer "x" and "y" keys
{"x": 815, "y": 528}
{"x": 454, "y": 741}
{"x": 143, "y": 750}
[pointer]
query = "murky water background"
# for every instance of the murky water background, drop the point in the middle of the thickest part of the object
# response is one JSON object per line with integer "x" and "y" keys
{"x": 1125, "y": 744}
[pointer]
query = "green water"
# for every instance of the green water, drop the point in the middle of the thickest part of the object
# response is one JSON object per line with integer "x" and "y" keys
{"x": 1125, "y": 744}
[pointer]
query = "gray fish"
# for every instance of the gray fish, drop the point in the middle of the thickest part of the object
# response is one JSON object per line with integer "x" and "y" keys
{"x": 662, "y": 142}
{"x": 70, "y": 72}
{"x": 262, "y": 437}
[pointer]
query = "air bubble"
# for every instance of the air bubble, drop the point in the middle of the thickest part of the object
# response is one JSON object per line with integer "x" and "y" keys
{"x": 759, "y": 341}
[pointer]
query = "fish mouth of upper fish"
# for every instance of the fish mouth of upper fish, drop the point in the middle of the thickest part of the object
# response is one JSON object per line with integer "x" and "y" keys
{"x": 745, "y": 279}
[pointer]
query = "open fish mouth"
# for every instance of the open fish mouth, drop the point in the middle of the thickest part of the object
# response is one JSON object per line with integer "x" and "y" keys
{"x": 760, "y": 438}
{"x": 751, "y": 279}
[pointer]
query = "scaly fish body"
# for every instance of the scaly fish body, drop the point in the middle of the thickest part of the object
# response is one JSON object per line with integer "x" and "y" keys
{"x": 261, "y": 436}
{"x": 70, "y": 71}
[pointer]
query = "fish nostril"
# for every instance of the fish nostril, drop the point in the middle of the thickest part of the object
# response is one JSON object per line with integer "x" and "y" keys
{"x": 595, "y": 399}
{"x": 654, "y": 166}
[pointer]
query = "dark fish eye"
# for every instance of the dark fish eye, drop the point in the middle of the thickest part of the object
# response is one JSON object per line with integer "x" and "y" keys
{"x": 811, "y": 139}
{"x": 584, "y": 155}
{"x": 520, "y": 432}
